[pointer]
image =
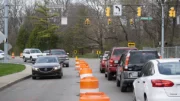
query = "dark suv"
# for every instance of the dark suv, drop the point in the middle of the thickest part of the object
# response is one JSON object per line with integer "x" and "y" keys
{"x": 130, "y": 66}
{"x": 61, "y": 54}
{"x": 113, "y": 59}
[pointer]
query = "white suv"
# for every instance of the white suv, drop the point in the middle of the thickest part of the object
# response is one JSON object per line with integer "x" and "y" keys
{"x": 31, "y": 54}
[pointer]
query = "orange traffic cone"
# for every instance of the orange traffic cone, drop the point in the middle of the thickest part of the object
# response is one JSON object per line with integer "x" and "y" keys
{"x": 21, "y": 55}
{"x": 89, "y": 84}
{"x": 13, "y": 55}
{"x": 96, "y": 96}
{"x": 85, "y": 72}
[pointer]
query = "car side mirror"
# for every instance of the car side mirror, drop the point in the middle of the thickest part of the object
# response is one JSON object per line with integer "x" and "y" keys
{"x": 27, "y": 52}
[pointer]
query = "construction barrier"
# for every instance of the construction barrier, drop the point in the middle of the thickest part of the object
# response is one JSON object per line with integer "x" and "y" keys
{"x": 13, "y": 55}
{"x": 82, "y": 65}
{"x": 85, "y": 72}
{"x": 89, "y": 84}
{"x": 21, "y": 55}
{"x": 96, "y": 96}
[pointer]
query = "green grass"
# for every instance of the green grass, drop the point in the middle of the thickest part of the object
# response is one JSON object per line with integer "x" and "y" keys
{"x": 6, "y": 68}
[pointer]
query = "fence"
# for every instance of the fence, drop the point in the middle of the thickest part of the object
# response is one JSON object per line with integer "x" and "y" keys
{"x": 168, "y": 51}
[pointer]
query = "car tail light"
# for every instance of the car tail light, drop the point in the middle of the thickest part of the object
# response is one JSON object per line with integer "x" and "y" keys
{"x": 127, "y": 61}
{"x": 162, "y": 83}
{"x": 111, "y": 62}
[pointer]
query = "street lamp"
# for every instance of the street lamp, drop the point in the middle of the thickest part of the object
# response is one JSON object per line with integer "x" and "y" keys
{"x": 162, "y": 32}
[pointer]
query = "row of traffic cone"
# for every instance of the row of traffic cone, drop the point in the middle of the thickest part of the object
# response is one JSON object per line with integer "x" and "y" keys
{"x": 89, "y": 85}
{"x": 13, "y": 55}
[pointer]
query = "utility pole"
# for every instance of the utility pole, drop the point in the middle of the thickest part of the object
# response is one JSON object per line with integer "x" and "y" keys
{"x": 6, "y": 8}
{"x": 162, "y": 32}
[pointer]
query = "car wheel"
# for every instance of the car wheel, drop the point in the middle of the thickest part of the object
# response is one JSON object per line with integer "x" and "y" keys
{"x": 33, "y": 77}
{"x": 117, "y": 83}
{"x": 109, "y": 76}
{"x": 31, "y": 59}
{"x": 145, "y": 98}
{"x": 105, "y": 75}
{"x": 101, "y": 71}
{"x": 122, "y": 87}
{"x": 67, "y": 65}
{"x": 24, "y": 59}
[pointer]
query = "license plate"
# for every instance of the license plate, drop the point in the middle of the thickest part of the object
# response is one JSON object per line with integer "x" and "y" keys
{"x": 116, "y": 61}
{"x": 134, "y": 74}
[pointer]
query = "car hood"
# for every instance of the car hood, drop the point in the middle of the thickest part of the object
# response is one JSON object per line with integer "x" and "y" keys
{"x": 115, "y": 57}
{"x": 45, "y": 65}
{"x": 37, "y": 53}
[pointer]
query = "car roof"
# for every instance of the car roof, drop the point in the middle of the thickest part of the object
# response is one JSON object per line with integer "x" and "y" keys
{"x": 165, "y": 60}
{"x": 142, "y": 51}
{"x": 57, "y": 49}
{"x": 30, "y": 48}
{"x": 124, "y": 48}
{"x": 50, "y": 56}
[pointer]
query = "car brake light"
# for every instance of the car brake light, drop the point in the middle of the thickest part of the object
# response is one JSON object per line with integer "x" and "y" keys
{"x": 162, "y": 83}
{"x": 127, "y": 61}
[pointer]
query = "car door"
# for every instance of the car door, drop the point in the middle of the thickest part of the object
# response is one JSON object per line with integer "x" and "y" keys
{"x": 120, "y": 67}
{"x": 143, "y": 81}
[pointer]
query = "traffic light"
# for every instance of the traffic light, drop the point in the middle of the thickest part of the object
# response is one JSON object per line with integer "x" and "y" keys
{"x": 172, "y": 12}
{"x": 108, "y": 11}
{"x": 139, "y": 10}
{"x": 131, "y": 22}
{"x": 87, "y": 21}
{"x": 109, "y": 21}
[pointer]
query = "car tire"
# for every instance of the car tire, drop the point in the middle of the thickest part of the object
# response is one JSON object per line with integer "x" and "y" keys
{"x": 67, "y": 65}
{"x": 31, "y": 59}
{"x": 101, "y": 71}
{"x": 24, "y": 59}
{"x": 105, "y": 75}
{"x": 109, "y": 76}
{"x": 122, "y": 87}
{"x": 117, "y": 83}
{"x": 33, "y": 77}
{"x": 145, "y": 98}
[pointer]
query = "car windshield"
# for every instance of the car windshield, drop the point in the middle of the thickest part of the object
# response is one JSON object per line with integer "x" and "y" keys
{"x": 119, "y": 52}
{"x": 169, "y": 68}
{"x": 58, "y": 52}
{"x": 35, "y": 51}
{"x": 46, "y": 60}
{"x": 141, "y": 57}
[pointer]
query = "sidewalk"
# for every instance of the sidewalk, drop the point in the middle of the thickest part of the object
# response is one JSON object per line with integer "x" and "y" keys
{"x": 6, "y": 81}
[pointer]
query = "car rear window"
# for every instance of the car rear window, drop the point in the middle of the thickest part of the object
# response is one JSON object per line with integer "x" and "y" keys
{"x": 119, "y": 52}
{"x": 141, "y": 57}
{"x": 58, "y": 52}
{"x": 170, "y": 68}
{"x": 35, "y": 51}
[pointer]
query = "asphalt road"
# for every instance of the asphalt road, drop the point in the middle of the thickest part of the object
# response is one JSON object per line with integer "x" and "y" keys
{"x": 65, "y": 89}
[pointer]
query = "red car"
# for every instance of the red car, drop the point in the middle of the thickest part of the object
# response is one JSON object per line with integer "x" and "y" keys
{"x": 113, "y": 61}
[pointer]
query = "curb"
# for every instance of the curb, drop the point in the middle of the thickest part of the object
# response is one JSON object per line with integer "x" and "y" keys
{"x": 10, "y": 84}
{"x": 17, "y": 81}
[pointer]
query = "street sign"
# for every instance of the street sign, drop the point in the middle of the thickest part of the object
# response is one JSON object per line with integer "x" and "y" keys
{"x": 178, "y": 20}
{"x": 131, "y": 44}
{"x": 2, "y": 37}
{"x": 98, "y": 52}
{"x": 146, "y": 18}
{"x": 117, "y": 10}
{"x": 75, "y": 51}
{"x": 63, "y": 20}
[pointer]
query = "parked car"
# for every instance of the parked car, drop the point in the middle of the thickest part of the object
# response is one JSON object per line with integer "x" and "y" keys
{"x": 31, "y": 54}
{"x": 130, "y": 66}
{"x": 113, "y": 59}
{"x": 46, "y": 52}
{"x": 47, "y": 66}
{"x": 1, "y": 54}
{"x": 159, "y": 80}
{"x": 62, "y": 55}
{"x": 103, "y": 62}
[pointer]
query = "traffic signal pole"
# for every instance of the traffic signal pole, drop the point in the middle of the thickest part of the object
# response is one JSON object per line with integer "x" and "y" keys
{"x": 162, "y": 32}
{"x": 6, "y": 7}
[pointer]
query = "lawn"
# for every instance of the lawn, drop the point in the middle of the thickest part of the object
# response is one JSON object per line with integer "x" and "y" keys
{"x": 6, "y": 68}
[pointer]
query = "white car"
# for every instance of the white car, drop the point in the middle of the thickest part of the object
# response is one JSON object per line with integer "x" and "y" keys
{"x": 1, "y": 54}
{"x": 31, "y": 54}
{"x": 159, "y": 81}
